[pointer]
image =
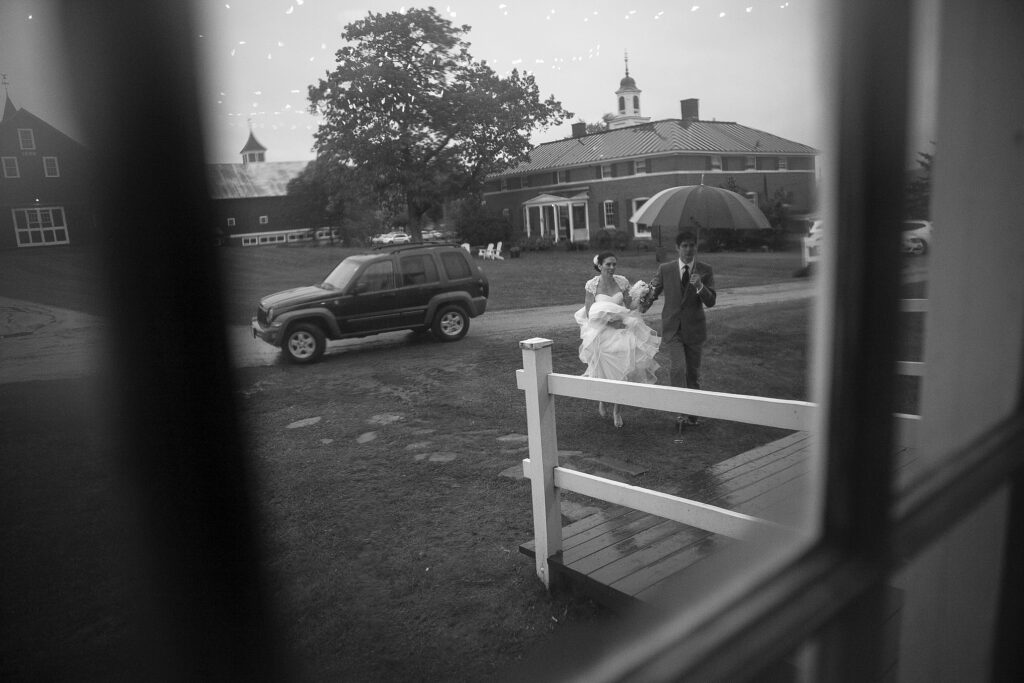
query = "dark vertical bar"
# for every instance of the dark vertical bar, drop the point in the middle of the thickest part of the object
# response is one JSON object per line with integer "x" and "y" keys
{"x": 184, "y": 466}
{"x": 868, "y": 190}
{"x": 871, "y": 78}
{"x": 1008, "y": 658}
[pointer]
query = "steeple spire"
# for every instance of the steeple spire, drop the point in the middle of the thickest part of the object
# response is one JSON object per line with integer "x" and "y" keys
{"x": 627, "y": 63}
{"x": 9, "y": 108}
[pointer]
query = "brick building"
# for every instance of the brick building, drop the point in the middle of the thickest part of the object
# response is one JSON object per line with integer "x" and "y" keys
{"x": 572, "y": 189}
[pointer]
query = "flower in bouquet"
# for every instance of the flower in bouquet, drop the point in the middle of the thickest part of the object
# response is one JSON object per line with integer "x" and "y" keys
{"x": 638, "y": 293}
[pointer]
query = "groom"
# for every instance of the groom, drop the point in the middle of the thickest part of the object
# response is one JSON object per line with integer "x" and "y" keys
{"x": 689, "y": 287}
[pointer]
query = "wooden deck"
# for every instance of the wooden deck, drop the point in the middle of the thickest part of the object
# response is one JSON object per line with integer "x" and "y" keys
{"x": 620, "y": 556}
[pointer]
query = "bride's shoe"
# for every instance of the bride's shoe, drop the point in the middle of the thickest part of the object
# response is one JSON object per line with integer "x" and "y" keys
{"x": 600, "y": 409}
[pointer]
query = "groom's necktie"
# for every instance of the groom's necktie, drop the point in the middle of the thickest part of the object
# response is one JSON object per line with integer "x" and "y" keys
{"x": 685, "y": 279}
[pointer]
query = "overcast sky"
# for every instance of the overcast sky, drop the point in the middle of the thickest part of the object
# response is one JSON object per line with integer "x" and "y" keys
{"x": 749, "y": 61}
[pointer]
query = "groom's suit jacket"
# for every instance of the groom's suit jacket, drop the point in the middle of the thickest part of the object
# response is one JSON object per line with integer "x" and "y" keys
{"x": 682, "y": 315}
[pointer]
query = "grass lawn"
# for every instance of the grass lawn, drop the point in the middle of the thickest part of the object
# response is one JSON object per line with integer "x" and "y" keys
{"x": 68, "y": 276}
{"x": 390, "y": 533}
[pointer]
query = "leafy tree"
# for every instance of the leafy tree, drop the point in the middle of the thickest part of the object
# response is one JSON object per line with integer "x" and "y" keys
{"x": 477, "y": 224}
{"x": 919, "y": 188}
{"x": 333, "y": 196}
{"x": 598, "y": 126}
{"x": 416, "y": 117}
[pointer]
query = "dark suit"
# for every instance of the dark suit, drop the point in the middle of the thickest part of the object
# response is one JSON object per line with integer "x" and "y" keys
{"x": 683, "y": 324}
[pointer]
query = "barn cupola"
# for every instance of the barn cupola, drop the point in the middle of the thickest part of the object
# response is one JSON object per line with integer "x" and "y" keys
{"x": 253, "y": 152}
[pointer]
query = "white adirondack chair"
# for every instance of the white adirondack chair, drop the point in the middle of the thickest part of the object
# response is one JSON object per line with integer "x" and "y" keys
{"x": 486, "y": 253}
{"x": 497, "y": 252}
{"x": 465, "y": 245}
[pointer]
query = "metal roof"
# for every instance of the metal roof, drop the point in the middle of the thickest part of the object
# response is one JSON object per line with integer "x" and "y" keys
{"x": 656, "y": 137}
{"x": 259, "y": 179}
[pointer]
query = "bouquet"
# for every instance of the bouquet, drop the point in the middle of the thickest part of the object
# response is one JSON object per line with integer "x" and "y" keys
{"x": 638, "y": 293}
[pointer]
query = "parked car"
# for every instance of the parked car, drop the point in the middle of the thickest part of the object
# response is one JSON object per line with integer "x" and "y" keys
{"x": 432, "y": 235}
{"x": 435, "y": 288}
{"x": 389, "y": 238}
{"x": 917, "y": 236}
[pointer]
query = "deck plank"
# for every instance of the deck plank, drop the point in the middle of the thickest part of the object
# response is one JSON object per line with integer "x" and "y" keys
{"x": 621, "y": 556}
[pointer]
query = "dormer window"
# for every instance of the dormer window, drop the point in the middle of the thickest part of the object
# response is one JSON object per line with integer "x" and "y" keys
{"x": 26, "y": 139}
{"x": 252, "y": 157}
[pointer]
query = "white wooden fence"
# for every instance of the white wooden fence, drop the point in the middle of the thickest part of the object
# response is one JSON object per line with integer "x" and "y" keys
{"x": 547, "y": 479}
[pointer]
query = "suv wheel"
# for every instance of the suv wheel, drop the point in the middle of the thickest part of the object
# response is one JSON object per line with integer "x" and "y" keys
{"x": 450, "y": 323}
{"x": 304, "y": 343}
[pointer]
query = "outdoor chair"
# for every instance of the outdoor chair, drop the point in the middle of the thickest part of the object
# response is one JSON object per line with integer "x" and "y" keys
{"x": 486, "y": 252}
{"x": 497, "y": 253}
{"x": 465, "y": 245}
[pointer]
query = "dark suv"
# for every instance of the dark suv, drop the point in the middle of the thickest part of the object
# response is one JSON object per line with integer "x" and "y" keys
{"x": 433, "y": 287}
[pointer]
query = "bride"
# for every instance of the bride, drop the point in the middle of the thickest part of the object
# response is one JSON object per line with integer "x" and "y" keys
{"x": 616, "y": 343}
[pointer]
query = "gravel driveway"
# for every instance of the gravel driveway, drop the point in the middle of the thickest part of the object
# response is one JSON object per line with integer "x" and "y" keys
{"x": 40, "y": 342}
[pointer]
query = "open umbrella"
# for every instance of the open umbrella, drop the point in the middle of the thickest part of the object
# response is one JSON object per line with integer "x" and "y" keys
{"x": 700, "y": 207}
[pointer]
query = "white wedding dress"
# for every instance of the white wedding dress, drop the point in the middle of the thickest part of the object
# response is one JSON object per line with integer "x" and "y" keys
{"x": 625, "y": 353}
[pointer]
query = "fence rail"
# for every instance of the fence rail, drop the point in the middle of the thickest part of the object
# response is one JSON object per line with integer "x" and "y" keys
{"x": 547, "y": 479}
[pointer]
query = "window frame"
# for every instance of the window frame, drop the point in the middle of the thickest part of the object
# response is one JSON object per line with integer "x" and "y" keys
{"x": 638, "y": 230}
{"x": 11, "y": 168}
{"x": 47, "y": 161}
{"x": 821, "y": 588}
{"x": 26, "y": 139}
{"x": 610, "y": 207}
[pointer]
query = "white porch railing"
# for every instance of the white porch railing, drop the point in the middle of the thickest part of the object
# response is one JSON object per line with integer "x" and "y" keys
{"x": 547, "y": 479}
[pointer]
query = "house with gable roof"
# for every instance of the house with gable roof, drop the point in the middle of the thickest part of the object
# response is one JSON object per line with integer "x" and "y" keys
{"x": 44, "y": 194}
{"x": 572, "y": 189}
{"x": 251, "y": 203}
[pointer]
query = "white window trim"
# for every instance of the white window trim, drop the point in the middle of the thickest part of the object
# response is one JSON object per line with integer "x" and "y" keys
{"x": 640, "y": 231}
{"x": 231, "y": 222}
{"x": 26, "y": 139}
{"x": 47, "y": 161}
{"x": 264, "y": 220}
{"x": 716, "y": 162}
{"x": 11, "y": 169}
{"x": 640, "y": 167}
{"x": 605, "y": 205}
{"x": 606, "y": 171}
{"x": 32, "y": 224}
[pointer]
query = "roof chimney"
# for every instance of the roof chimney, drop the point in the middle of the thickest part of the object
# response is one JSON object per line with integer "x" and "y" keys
{"x": 579, "y": 129}
{"x": 690, "y": 109}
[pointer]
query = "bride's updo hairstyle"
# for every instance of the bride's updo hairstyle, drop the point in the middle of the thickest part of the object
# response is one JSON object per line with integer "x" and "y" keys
{"x": 599, "y": 259}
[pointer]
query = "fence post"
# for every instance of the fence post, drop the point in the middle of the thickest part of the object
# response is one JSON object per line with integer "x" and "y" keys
{"x": 543, "y": 442}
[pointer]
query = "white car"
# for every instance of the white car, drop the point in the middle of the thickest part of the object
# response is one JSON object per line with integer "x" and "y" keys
{"x": 917, "y": 236}
{"x": 390, "y": 238}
